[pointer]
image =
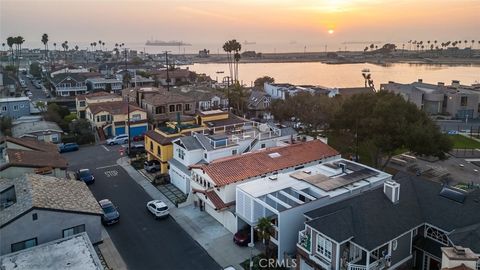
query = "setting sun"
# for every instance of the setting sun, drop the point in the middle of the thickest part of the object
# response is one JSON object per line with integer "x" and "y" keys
{"x": 331, "y": 31}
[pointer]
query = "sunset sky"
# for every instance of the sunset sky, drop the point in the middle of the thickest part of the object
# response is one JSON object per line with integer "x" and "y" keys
{"x": 269, "y": 21}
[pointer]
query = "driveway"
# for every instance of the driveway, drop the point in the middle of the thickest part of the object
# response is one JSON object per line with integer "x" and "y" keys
{"x": 143, "y": 242}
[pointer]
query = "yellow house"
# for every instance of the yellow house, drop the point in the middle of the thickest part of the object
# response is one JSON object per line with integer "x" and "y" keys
{"x": 82, "y": 101}
{"x": 158, "y": 142}
{"x": 112, "y": 117}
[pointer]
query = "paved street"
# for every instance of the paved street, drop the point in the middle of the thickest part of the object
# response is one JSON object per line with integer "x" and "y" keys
{"x": 143, "y": 242}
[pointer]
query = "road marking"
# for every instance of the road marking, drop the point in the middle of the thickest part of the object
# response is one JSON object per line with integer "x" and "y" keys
{"x": 104, "y": 147}
{"x": 111, "y": 173}
{"x": 104, "y": 167}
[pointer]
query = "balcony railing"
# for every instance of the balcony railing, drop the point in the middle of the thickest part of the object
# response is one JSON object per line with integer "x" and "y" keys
{"x": 376, "y": 265}
{"x": 304, "y": 241}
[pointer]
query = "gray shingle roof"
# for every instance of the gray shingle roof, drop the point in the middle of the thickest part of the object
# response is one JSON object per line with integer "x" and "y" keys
{"x": 46, "y": 192}
{"x": 467, "y": 236}
{"x": 21, "y": 129}
{"x": 190, "y": 143}
{"x": 375, "y": 220}
{"x": 204, "y": 141}
{"x": 179, "y": 165}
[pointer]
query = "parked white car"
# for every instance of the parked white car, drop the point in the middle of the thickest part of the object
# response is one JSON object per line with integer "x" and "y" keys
{"x": 157, "y": 208}
{"x": 120, "y": 139}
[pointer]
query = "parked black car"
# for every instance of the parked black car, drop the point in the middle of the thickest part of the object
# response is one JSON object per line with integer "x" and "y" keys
{"x": 86, "y": 176}
{"x": 110, "y": 212}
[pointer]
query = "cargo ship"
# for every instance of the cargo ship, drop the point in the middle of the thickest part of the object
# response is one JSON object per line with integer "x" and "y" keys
{"x": 166, "y": 43}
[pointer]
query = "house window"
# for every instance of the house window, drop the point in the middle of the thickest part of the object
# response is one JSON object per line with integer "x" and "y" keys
{"x": 74, "y": 230}
{"x": 82, "y": 103}
{"x": 436, "y": 235}
{"x": 181, "y": 154}
{"x": 263, "y": 145}
{"x": 324, "y": 247}
{"x": 24, "y": 244}
{"x": 7, "y": 197}
{"x": 136, "y": 117}
{"x": 34, "y": 216}
{"x": 234, "y": 151}
{"x": 172, "y": 108}
{"x": 187, "y": 107}
{"x": 151, "y": 146}
{"x": 4, "y": 108}
{"x": 15, "y": 107}
{"x": 205, "y": 155}
{"x": 158, "y": 150}
{"x": 98, "y": 118}
{"x": 103, "y": 118}
{"x": 160, "y": 110}
{"x": 22, "y": 105}
{"x": 463, "y": 101}
{"x": 179, "y": 107}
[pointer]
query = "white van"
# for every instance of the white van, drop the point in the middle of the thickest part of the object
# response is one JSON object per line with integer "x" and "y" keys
{"x": 119, "y": 139}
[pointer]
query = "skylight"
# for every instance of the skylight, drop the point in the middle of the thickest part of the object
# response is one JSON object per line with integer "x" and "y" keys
{"x": 274, "y": 155}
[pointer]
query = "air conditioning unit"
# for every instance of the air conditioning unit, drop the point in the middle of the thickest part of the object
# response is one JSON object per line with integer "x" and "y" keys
{"x": 273, "y": 177}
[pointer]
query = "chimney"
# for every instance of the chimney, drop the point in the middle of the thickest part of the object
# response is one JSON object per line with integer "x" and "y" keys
{"x": 392, "y": 190}
{"x": 420, "y": 80}
{"x": 455, "y": 256}
{"x": 343, "y": 166}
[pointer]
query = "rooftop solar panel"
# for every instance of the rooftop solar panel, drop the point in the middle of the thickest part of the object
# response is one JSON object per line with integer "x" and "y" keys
{"x": 452, "y": 194}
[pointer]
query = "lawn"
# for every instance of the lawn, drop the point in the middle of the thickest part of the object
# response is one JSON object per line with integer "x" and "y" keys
{"x": 462, "y": 142}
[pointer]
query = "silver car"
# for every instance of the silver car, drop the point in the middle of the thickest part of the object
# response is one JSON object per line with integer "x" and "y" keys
{"x": 119, "y": 139}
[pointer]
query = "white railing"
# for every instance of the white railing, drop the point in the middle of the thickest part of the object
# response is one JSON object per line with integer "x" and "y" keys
{"x": 373, "y": 266}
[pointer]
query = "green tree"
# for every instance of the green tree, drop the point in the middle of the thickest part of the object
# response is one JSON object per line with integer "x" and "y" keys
{"x": 42, "y": 106}
{"x": 126, "y": 80}
{"x": 382, "y": 123}
{"x": 265, "y": 229}
{"x": 238, "y": 97}
{"x": 35, "y": 69}
{"x": 6, "y": 126}
{"x": 260, "y": 82}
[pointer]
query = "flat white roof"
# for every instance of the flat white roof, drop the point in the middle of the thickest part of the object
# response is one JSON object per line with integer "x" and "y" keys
{"x": 73, "y": 253}
{"x": 212, "y": 112}
{"x": 266, "y": 185}
{"x": 11, "y": 99}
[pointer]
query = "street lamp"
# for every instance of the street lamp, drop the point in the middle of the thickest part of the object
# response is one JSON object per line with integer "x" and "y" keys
{"x": 251, "y": 245}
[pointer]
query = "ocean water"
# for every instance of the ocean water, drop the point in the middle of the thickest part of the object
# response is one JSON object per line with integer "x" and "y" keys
{"x": 345, "y": 75}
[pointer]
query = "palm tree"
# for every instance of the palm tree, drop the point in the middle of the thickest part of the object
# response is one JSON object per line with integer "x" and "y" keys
{"x": 465, "y": 41}
{"x": 76, "y": 48}
{"x": 3, "y": 46}
{"x": 473, "y": 42}
{"x": 227, "y": 47}
{"x": 45, "y": 43}
{"x": 10, "y": 43}
{"x": 103, "y": 45}
{"x": 264, "y": 229}
{"x": 100, "y": 44}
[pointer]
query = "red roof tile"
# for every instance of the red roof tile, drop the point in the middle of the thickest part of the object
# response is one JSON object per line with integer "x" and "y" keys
{"x": 37, "y": 159}
{"x": 229, "y": 170}
{"x": 32, "y": 144}
{"x": 114, "y": 107}
{"x": 217, "y": 201}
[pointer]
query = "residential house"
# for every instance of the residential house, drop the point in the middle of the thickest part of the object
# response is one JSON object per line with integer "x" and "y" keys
{"x": 206, "y": 98}
{"x": 214, "y": 184}
{"x": 8, "y": 85}
{"x": 82, "y": 101}
{"x": 285, "y": 90}
{"x": 158, "y": 142}
{"x": 283, "y": 198}
{"x": 26, "y": 155}
{"x": 37, "y": 209}
{"x": 222, "y": 141}
{"x": 162, "y": 105}
{"x": 113, "y": 85}
{"x": 14, "y": 107}
{"x": 135, "y": 80}
{"x": 76, "y": 252}
{"x": 71, "y": 70}
{"x": 459, "y": 258}
{"x": 113, "y": 117}
{"x": 68, "y": 84}
{"x": 258, "y": 105}
{"x": 176, "y": 76}
{"x": 402, "y": 225}
{"x": 40, "y": 130}
{"x": 455, "y": 100}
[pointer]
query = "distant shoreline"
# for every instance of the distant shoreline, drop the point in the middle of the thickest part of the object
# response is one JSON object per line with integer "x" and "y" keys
{"x": 321, "y": 57}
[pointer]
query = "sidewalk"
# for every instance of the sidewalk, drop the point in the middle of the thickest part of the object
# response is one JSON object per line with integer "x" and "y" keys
{"x": 112, "y": 258}
{"x": 203, "y": 228}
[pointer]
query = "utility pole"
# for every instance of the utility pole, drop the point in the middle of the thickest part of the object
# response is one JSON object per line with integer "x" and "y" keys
{"x": 125, "y": 52}
{"x": 166, "y": 64}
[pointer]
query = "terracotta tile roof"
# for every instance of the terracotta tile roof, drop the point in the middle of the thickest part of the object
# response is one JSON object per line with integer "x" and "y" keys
{"x": 229, "y": 170}
{"x": 173, "y": 74}
{"x": 32, "y": 144}
{"x": 217, "y": 201}
{"x": 115, "y": 107}
{"x": 159, "y": 138}
{"x": 46, "y": 192}
{"x": 100, "y": 94}
{"x": 37, "y": 159}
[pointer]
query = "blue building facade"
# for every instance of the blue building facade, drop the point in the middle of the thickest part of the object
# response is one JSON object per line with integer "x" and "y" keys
{"x": 14, "y": 107}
